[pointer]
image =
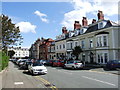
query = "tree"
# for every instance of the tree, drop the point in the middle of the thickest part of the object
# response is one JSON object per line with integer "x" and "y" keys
{"x": 10, "y": 33}
{"x": 11, "y": 53}
{"x": 76, "y": 51}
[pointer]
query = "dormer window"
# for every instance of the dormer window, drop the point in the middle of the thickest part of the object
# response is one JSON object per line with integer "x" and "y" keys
{"x": 82, "y": 30}
{"x": 100, "y": 25}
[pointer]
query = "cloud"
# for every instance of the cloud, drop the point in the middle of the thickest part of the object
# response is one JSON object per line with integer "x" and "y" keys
{"x": 85, "y": 7}
{"x": 42, "y": 16}
{"x": 26, "y": 27}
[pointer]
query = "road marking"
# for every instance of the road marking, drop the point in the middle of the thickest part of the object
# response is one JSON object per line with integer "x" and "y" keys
{"x": 43, "y": 80}
{"x": 54, "y": 88}
{"x": 46, "y": 82}
{"x": 102, "y": 72}
{"x": 99, "y": 81}
{"x": 18, "y": 83}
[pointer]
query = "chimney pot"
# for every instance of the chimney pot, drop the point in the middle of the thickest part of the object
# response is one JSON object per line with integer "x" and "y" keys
{"x": 84, "y": 21}
{"x": 77, "y": 25}
{"x": 64, "y": 30}
{"x": 93, "y": 21}
{"x": 100, "y": 15}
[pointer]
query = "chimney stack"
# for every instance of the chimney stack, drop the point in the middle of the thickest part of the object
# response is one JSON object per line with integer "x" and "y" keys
{"x": 77, "y": 25}
{"x": 64, "y": 30}
{"x": 84, "y": 21}
{"x": 93, "y": 21}
{"x": 100, "y": 15}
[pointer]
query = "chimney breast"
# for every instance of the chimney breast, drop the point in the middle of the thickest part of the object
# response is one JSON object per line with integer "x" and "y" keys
{"x": 84, "y": 21}
{"x": 100, "y": 15}
{"x": 77, "y": 25}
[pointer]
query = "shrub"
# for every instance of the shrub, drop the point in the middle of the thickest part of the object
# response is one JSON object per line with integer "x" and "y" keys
{"x": 3, "y": 60}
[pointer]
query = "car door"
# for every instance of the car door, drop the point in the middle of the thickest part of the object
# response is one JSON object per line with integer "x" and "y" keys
{"x": 71, "y": 64}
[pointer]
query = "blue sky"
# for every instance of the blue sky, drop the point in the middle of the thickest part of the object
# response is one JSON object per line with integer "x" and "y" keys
{"x": 45, "y": 19}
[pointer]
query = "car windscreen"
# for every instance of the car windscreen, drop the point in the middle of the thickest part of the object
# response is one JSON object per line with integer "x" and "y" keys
{"x": 37, "y": 64}
{"x": 114, "y": 61}
{"x": 62, "y": 61}
{"x": 77, "y": 61}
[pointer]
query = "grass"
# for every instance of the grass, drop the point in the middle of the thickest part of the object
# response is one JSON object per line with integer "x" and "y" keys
{"x": 4, "y": 59}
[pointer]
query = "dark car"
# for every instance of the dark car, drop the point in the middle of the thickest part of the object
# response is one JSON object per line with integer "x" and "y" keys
{"x": 113, "y": 64}
{"x": 25, "y": 65}
{"x": 49, "y": 62}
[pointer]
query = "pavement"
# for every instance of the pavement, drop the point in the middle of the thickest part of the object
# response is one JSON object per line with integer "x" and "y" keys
{"x": 97, "y": 68}
{"x": 12, "y": 77}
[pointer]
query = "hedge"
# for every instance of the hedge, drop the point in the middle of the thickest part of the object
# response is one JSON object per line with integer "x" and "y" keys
{"x": 4, "y": 59}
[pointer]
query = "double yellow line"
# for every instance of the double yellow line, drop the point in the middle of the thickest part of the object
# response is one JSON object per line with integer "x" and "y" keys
{"x": 46, "y": 83}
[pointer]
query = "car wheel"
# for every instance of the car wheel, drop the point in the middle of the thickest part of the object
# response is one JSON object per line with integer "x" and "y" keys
{"x": 32, "y": 73}
{"x": 73, "y": 67}
{"x": 64, "y": 66}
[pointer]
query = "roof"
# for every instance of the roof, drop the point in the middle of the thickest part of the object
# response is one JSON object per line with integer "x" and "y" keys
{"x": 94, "y": 27}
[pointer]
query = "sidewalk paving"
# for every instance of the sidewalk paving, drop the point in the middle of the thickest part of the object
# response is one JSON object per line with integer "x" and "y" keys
{"x": 102, "y": 69}
{"x": 15, "y": 78}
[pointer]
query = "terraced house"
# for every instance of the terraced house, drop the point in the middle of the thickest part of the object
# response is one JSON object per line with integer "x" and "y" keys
{"x": 100, "y": 40}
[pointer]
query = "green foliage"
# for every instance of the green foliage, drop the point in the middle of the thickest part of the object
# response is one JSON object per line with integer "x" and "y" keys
{"x": 10, "y": 33}
{"x": 11, "y": 53}
{"x": 4, "y": 61}
{"x": 76, "y": 51}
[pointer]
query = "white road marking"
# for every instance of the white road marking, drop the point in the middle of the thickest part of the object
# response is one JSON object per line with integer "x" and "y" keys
{"x": 99, "y": 81}
{"x": 101, "y": 72}
{"x": 17, "y": 83}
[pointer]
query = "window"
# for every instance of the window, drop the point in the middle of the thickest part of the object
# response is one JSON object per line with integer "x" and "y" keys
{"x": 106, "y": 57}
{"x": 63, "y": 45}
{"x": 70, "y": 45}
{"x": 102, "y": 57}
{"x": 60, "y": 46}
{"x": 91, "y": 43}
{"x": 57, "y": 47}
{"x": 54, "y": 48}
{"x": 100, "y": 25}
{"x": 83, "y": 44}
{"x": 99, "y": 41}
{"x": 105, "y": 40}
{"x": 76, "y": 43}
{"x": 98, "y": 58}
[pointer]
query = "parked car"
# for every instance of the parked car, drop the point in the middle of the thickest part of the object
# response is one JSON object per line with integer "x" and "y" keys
{"x": 73, "y": 64}
{"x": 37, "y": 68}
{"x": 55, "y": 63}
{"x": 22, "y": 62}
{"x": 113, "y": 64}
{"x": 59, "y": 63}
{"x": 49, "y": 62}
{"x": 26, "y": 63}
{"x": 43, "y": 62}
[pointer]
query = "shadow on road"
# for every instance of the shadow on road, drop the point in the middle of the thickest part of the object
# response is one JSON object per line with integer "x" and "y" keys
{"x": 27, "y": 72}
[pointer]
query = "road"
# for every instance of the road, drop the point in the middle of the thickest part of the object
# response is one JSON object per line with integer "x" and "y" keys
{"x": 58, "y": 78}
{"x": 64, "y": 78}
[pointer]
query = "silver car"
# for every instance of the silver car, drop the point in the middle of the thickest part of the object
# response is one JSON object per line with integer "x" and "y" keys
{"x": 73, "y": 64}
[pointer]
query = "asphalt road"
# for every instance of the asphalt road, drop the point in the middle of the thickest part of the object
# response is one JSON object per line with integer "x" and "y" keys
{"x": 64, "y": 78}
{"x": 58, "y": 78}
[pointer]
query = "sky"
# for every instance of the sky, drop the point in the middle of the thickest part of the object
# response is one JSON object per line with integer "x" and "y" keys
{"x": 46, "y": 19}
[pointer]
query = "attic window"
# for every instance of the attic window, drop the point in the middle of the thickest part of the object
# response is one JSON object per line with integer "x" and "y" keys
{"x": 100, "y": 25}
